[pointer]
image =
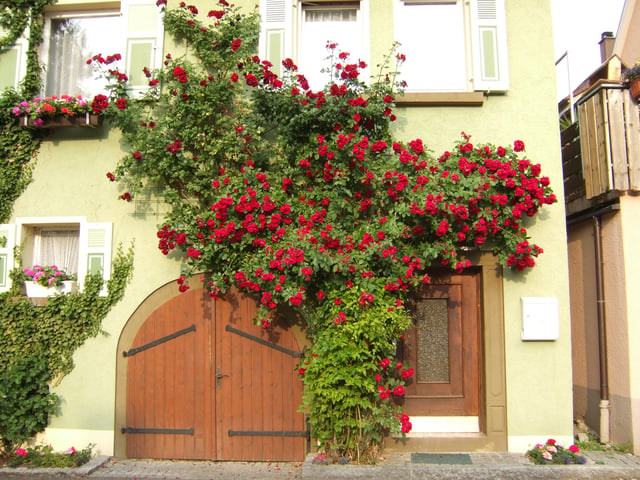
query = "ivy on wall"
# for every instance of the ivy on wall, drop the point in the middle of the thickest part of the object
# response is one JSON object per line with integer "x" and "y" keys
{"x": 37, "y": 344}
{"x": 19, "y": 146}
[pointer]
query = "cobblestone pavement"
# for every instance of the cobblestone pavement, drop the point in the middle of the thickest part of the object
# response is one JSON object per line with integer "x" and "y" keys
{"x": 482, "y": 466}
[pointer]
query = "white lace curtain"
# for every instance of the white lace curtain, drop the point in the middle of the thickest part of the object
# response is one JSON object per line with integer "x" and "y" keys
{"x": 72, "y": 41}
{"x": 57, "y": 247}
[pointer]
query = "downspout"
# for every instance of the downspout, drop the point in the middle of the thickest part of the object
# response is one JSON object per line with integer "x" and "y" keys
{"x": 602, "y": 332}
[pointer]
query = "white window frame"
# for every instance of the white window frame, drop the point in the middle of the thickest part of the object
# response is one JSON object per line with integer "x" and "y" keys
{"x": 486, "y": 61}
{"x": 462, "y": 80}
{"x": 118, "y": 44}
{"x": 281, "y": 30}
{"x": 354, "y": 57}
{"x": 95, "y": 242}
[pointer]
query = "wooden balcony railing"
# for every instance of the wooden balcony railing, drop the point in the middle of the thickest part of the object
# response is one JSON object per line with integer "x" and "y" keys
{"x": 601, "y": 153}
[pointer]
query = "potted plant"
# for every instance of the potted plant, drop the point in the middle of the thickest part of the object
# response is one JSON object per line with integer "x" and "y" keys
{"x": 45, "y": 281}
{"x": 60, "y": 111}
{"x": 554, "y": 453}
{"x": 632, "y": 75}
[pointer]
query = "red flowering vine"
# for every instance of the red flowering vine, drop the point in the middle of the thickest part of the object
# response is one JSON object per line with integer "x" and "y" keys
{"x": 303, "y": 199}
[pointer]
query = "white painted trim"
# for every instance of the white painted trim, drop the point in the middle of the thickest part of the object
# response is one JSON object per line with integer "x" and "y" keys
{"x": 44, "y": 221}
{"x": 459, "y": 424}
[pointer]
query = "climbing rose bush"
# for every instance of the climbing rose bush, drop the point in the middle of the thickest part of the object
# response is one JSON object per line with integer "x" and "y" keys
{"x": 306, "y": 201}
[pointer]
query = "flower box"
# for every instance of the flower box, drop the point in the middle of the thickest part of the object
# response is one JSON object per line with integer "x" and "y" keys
{"x": 35, "y": 290}
{"x": 57, "y": 121}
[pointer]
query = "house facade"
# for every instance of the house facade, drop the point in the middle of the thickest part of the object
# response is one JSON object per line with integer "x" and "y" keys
{"x": 602, "y": 179}
{"x": 144, "y": 390}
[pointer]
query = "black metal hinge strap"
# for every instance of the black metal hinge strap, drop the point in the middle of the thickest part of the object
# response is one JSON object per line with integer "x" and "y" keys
{"x": 174, "y": 431}
{"x": 261, "y": 341}
{"x": 267, "y": 433}
{"x": 155, "y": 343}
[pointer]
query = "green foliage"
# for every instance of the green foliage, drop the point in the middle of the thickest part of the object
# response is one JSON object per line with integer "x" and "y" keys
{"x": 43, "y": 456}
{"x": 37, "y": 344}
{"x": 18, "y": 148}
{"x": 25, "y": 399}
{"x": 350, "y": 381}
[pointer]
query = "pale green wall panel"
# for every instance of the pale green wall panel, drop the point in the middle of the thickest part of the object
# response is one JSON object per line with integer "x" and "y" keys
{"x": 140, "y": 56}
{"x": 8, "y": 68}
{"x": 489, "y": 53}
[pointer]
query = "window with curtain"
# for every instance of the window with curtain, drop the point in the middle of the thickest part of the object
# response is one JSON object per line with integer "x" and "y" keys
{"x": 432, "y": 37}
{"x": 69, "y": 42}
{"x": 58, "y": 247}
{"x": 452, "y": 45}
{"x": 335, "y": 23}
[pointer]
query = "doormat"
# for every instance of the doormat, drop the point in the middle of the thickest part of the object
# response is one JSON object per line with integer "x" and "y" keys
{"x": 441, "y": 458}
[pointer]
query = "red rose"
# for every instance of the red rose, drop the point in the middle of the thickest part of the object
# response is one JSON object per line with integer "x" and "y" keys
{"x": 518, "y": 145}
{"x": 99, "y": 103}
{"x": 398, "y": 391}
{"x": 251, "y": 80}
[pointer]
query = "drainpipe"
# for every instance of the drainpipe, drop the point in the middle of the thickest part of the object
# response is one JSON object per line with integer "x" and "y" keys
{"x": 602, "y": 332}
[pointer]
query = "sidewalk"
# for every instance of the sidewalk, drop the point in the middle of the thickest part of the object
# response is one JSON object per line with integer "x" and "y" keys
{"x": 477, "y": 466}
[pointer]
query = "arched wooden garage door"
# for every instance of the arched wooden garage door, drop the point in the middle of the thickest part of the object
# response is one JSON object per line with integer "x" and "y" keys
{"x": 203, "y": 382}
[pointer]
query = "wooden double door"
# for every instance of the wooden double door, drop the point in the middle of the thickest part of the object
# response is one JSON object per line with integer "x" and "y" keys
{"x": 204, "y": 382}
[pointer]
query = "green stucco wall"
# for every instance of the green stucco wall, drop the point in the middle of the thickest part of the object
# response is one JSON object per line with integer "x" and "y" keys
{"x": 69, "y": 180}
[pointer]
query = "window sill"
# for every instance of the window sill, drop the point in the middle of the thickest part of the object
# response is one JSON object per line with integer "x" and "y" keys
{"x": 470, "y": 99}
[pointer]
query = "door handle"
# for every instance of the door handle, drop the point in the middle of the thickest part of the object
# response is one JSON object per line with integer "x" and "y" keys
{"x": 219, "y": 376}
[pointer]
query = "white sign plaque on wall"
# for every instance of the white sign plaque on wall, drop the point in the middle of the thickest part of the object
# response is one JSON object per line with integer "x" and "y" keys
{"x": 540, "y": 320}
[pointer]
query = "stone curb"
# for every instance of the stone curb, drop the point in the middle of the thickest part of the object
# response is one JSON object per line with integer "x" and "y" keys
{"x": 411, "y": 471}
{"x": 83, "y": 470}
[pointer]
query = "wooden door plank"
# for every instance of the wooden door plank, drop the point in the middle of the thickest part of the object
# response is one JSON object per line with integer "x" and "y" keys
{"x": 586, "y": 138}
{"x": 615, "y": 113}
{"x": 472, "y": 358}
{"x": 261, "y": 379}
{"x": 209, "y": 336}
{"x": 632, "y": 113}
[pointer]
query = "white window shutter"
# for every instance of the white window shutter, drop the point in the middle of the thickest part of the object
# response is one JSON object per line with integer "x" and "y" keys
{"x": 13, "y": 64}
{"x": 7, "y": 244}
{"x": 95, "y": 251}
{"x": 145, "y": 32}
{"x": 276, "y": 32}
{"x": 489, "y": 34}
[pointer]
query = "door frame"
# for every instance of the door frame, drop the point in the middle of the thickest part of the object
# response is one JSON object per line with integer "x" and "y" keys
{"x": 493, "y": 395}
{"x": 152, "y": 302}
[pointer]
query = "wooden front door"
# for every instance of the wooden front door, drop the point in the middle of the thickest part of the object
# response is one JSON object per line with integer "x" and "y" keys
{"x": 203, "y": 382}
{"x": 443, "y": 347}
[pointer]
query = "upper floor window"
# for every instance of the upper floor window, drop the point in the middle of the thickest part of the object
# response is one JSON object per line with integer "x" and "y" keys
{"x": 431, "y": 37}
{"x": 69, "y": 40}
{"x": 301, "y": 29}
{"x": 75, "y": 31}
{"x": 339, "y": 24}
{"x": 452, "y": 45}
